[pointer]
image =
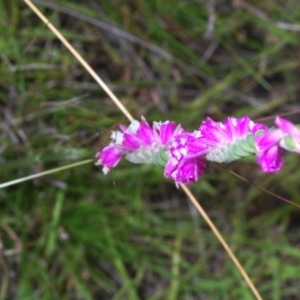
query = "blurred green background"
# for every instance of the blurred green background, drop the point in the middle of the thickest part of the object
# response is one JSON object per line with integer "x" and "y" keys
{"x": 131, "y": 234}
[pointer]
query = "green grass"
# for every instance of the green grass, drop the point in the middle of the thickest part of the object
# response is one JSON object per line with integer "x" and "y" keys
{"x": 131, "y": 234}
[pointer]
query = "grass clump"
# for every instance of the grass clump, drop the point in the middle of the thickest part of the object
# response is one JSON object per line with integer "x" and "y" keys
{"x": 131, "y": 235}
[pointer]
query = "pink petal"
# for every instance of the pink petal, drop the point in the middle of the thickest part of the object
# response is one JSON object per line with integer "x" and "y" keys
{"x": 109, "y": 156}
{"x": 145, "y": 133}
{"x": 131, "y": 142}
{"x": 187, "y": 171}
{"x": 271, "y": 159}
{"x": 285, "y": 125}
{"x": 166, "y": 131}
{"x": 268, "y": 139}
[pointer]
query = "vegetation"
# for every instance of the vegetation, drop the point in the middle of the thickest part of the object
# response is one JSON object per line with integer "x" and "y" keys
{"x": 78, "y": 234}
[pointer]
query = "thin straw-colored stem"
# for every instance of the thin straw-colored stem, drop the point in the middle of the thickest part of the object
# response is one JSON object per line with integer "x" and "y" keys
{"x": 130, "y": 118}
{"x": 81, "y": 60}
{"x": 221, "y": 239}
{"x": 80, "y": 163}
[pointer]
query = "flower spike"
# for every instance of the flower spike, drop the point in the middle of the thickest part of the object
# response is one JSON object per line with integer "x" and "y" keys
{"x": 139, "y": 143}
{"x": 183, "y": 154}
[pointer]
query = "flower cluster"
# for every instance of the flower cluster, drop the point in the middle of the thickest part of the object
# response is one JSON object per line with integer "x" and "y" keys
{"x": 186, "y": 158}
{"x": 183, "y": 154}
{"x": 140, "y": 143}
{"x": 270, "y": 144}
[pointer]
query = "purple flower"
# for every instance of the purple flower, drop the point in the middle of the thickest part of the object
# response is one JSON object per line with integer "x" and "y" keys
{"x": 186, "y": 161}
{"x": 291, "y": 140}
{"x": 137, "y": 134}
{"x": 186, "y": 171}
{"x": 229, "y": 141}
{"x": 109, "y": 157}
{"x": 184, "y": 154}
{"x": 140, "y": 134}
{"x": 217, "y": 134}
{"x": 140, "y": 143}
{"x": 269, "y": 153}
{"x": 164, "y": 132}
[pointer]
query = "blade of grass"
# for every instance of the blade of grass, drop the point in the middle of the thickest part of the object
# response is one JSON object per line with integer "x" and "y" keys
{"x": 128, "y": 284}
{"x": 222, "y": 241}
{"x": 16, "y": 181}
{"x": 175, "y": 283}
{"x": 52, "y": 236}
{"x": 105, "y": 26}
{"x": 262, "y": 189}
{"x": 81, "y": 60}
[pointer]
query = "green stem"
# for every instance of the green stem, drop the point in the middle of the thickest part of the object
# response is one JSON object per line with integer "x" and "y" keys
{"x": 79, "y": 163}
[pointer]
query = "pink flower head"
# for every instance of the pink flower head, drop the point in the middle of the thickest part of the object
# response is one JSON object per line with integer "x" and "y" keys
{"x": 164, "y": 132}
{"x": 136, "y": 135}
{"x": 111, "y": 155}
{"x": 217, "y": 134}
{"x": 140, "y": 134}
{"x": 186, "y": 161}
{"x": 186, "y": 171}
{"x": 140, "y": 143}
{"x": 230, "y": 140}
{"x": 269, "y": 153}
{"x": 291, "y": 140}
